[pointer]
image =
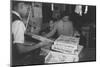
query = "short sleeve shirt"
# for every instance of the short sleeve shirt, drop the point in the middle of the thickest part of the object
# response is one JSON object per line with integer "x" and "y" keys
{"x": 64, "y": 28}
{"x": 18, "y": 29}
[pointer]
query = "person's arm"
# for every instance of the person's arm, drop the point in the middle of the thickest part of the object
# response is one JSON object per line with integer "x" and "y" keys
{"x": 51, "y": 33}
{"x": 18, "y": 32}
{"x": 23, "y": 48}
{"x": 76, "y": 33}
{"x": 28, "y": 43}
{"x": 28, "y": 33}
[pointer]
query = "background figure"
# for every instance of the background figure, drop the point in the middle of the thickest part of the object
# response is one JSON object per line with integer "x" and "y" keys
{"x": 62, "y": 27}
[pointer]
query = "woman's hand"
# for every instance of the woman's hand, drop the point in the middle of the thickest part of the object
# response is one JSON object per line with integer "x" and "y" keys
{"x": 76, "y": 33}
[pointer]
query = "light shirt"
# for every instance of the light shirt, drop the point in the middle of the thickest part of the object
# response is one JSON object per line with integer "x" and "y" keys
{"x": 64, "y": 28}
{"x": 18, "y": 29}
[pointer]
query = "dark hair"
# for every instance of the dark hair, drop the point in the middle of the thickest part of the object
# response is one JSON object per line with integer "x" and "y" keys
{"x": 14, "y": 4}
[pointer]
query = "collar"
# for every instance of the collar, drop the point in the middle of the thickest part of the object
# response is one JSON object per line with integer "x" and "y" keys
{"x": 14, "y": 12}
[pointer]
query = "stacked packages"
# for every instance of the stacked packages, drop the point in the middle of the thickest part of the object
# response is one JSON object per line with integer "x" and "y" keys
{"x": 64, "y": 49}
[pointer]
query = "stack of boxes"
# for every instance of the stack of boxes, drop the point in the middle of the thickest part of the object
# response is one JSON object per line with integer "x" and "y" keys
{"x": 64, "y": 49}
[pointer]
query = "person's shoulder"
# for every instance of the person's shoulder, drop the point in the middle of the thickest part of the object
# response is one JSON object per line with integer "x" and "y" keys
{"x": 15, "y": 17}
{"x": 69, "y": 23}
{"x": 18, "y": 22}
{"x": 59, "y": 22}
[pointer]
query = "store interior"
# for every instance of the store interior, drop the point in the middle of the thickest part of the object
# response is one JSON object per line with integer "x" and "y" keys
{"x": 84, "y": 23}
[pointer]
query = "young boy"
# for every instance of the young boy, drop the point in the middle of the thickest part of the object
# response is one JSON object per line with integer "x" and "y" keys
{"x": 18, "y": 28}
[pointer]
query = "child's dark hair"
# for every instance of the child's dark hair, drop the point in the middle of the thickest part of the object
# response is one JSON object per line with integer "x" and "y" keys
{"x": 14, "y": 4}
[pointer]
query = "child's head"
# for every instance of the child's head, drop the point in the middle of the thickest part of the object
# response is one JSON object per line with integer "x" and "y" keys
{"x": 21, "y": 7}
{"x": 65, "y": 18}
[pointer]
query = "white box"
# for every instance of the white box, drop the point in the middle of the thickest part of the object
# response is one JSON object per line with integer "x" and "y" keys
{"x": 67, "y": 41}
{"x": 63, "y": 49}
{"x": 57, "y": 57}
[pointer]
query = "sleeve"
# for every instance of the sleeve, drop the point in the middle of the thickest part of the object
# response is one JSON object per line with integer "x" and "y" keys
{"x": 18, "y": 32}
